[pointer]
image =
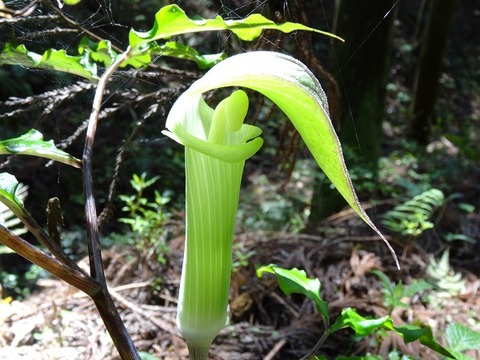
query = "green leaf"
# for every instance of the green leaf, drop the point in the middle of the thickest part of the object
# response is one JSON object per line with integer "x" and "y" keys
{"x": 361, "y": 325}
{"x": 102, "y": 52}
{"x": 460, "y": 338}
{"x": 450, "y": 237}
{"x": 411, "y": 217}
{"x": 296, "y": 281}
{"x": 9, "y": 189}
{"x": 364, "y": 326}
{"x": 415, "y": 287}
{"x": 366, "y": 357}
{"x": 7, "y": 218}
{"x": 32, "y": 143}
{"x": 181, "y": 51}
{"x": 51, "y": 59}
{"x": 71, "y": 2}
{"x": 423, "y": 334}
{"x": 386, "y": 283}
{"x": 99, "y": 51}
{"x": 296, "y": 91}
{"x": 171, "y": 20}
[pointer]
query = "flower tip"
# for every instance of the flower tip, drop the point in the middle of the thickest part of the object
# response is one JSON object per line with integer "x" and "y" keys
{"x": 228, "y": 116}
{"x": 236, "y": 108}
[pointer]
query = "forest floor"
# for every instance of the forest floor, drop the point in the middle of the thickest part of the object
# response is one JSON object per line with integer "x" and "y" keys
{"x": 59, "y": 322}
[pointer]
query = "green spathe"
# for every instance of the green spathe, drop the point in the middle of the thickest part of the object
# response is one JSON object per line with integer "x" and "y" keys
{"x": 217, "y": 143}
{"x": 215, "y": 156}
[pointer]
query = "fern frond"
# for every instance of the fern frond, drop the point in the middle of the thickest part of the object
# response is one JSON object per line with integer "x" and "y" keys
{"x": 412, "y": 217}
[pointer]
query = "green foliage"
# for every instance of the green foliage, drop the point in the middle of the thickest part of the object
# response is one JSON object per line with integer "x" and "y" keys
{"x": 401, "y": 174}
{"x": 171, "y": 20}
{"x": 412, "y": 217}
{"x": 51, "y": 59}
{"x": 240, "y": 257}
{"x": 295, "y": 281}
{"x": 103, "y": 53}
{"x": 9, "y": 193}
{"x": 32, "y": 143}
{"x": 18, "y": 284}
{"x": 147, "y": 219}
{"x": 460, "y": 338}
{"x": 395, "y": 293}
{"x": 446, "y": 281}
{"x": 7, "y": 217}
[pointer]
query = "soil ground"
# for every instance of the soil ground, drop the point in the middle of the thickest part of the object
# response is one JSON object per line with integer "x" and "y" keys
{"x": 58, "y": 322}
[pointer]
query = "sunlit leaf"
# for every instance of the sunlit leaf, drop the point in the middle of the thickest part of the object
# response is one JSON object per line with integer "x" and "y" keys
{"x": 7, "y": 217}
{"x": 296, "y": 91}
{"x": 361, "y": 325}
{"x": 51, "y": 59}
{"x": 364, "y": 326}
{"x": 181, "y": 51}
{"x": 32, "y": 143}
{"x": 171, "y": 20}
{"x": 296, "y": 281}
{"x": 8, "y": 194}
{"x": 102, "y": 52}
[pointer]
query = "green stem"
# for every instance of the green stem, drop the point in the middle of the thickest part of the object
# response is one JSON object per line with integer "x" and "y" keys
{"x": 198, "y": 352}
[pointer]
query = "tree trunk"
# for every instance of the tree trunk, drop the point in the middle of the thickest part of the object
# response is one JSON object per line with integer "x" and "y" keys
{"x": 426, "y": 86}
{"x": 362, "y": 68}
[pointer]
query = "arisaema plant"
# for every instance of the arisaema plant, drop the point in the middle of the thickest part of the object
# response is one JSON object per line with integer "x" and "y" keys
{"x": 217, "y": 144}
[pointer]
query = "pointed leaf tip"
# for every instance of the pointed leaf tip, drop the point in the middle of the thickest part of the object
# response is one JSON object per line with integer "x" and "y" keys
{"x": 295, "y": 90}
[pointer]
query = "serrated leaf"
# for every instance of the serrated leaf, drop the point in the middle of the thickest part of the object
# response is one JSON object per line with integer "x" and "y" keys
{"x": 51, "y": 59}
{"x": 411, "y": 217}
{"x": 171, "y": 20}
{"x": 460, "y": 337}
{"x": 32, "y": 143}
{"x": 296, "y": 281}
{"x": 361, "y": 325}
